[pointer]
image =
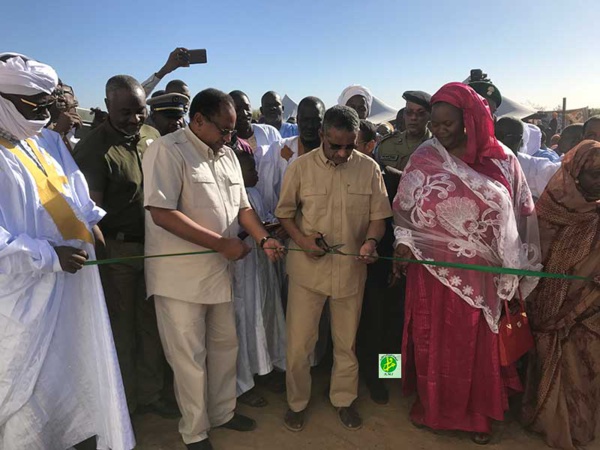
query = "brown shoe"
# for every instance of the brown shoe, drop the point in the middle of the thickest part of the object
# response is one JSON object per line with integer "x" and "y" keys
{"x": 294, "y": 421}
{"x": 350, "y": 418}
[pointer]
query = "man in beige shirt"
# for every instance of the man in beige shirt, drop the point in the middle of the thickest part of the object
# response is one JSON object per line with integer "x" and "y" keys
{"x": 336, "y": 192}
{"x": 196, "y": 201}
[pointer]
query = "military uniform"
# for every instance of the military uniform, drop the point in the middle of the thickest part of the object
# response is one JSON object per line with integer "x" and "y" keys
{"x": 112, "y": 165}
{"x": 395, "y": 149}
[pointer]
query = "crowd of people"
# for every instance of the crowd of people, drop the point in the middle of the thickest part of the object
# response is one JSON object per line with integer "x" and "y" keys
{"x": 271, "y": 244}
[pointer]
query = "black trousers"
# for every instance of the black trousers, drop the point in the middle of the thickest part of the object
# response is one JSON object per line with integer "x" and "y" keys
{"x": 381, "y": 321}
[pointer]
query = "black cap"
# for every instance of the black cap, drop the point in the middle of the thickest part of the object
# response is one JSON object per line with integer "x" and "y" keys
{"x": 487, "y": 90}
{"x": 169, "y": 104}
{"x": 419, "y": 97}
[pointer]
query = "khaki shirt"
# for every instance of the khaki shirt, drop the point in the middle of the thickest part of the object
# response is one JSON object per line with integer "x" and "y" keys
{"x": 395, "y": 150}
{"x": 340, "y": 202}
{"x": 182, "y": 173}
{"x": 113, "y": 165}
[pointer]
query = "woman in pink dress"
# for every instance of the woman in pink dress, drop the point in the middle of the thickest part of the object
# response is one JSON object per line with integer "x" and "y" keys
{"x": 462, "y": 198}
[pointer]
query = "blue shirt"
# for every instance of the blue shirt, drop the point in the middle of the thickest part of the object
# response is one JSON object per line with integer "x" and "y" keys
{"x": 548, "y": 154}
{"x": 288, "y": 130}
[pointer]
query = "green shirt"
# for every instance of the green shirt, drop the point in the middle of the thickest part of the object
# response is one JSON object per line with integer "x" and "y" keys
{"x": 112, "y": 164}
{"x": 395, "y": 149}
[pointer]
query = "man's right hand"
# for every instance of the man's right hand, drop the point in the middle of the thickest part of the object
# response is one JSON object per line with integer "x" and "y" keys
{"x": 233, "y": 248}
{"x": 71, "y": 258}
{"x": 177, "y": 58}
{"x": 66, "y": 121}
{"x": 309, "y": 245}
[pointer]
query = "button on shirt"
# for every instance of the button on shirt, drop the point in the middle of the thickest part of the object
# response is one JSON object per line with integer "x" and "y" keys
{"x": 182, "y": 173}
{"x": 340, "y": 202}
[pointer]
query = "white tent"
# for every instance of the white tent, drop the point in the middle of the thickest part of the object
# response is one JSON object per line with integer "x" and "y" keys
{"x": 290, "y": 107}
{"x": 509, "y": 107}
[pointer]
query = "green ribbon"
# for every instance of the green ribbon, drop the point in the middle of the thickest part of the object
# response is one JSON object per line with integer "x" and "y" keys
{"x": 476, "y": 267}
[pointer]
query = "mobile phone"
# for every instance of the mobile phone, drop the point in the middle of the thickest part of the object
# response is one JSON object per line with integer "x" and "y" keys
{"x": 197, "y": 56}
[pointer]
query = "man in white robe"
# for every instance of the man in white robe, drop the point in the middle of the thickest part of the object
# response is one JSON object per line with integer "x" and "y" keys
{"x": 282, "y": 153}
{"x": 515, "y": 134}
{"x": 259, "y": 136}
{"x": 60, "y": 381}
{"x": 359, "y": 98}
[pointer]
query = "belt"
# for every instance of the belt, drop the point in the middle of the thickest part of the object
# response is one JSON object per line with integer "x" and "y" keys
{"x": 123, "y": 237}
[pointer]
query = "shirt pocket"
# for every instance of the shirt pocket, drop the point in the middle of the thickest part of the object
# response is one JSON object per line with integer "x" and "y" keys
{"x": 314, "y": 201}
{"x": 358, "y": 200}
{"x": 204, "y": 190}
{"x": 235, "y": 192}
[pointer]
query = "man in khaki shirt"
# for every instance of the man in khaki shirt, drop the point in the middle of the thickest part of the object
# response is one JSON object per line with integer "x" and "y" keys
{"x": 338, "y": 192}
{"x": 196, "y": 201}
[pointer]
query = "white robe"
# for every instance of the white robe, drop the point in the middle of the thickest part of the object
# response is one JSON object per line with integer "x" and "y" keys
{"x": 59, "y": 377}
{"x": 260, "y": 321}
{"x": 538, "y": 172}
{"x": 265, "y": 135}
{"x": 271, "y": 170}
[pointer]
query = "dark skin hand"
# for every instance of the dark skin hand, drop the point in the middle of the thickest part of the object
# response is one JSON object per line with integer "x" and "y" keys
{"x": 71, "y": 258}
{"x": 66, "y": 121}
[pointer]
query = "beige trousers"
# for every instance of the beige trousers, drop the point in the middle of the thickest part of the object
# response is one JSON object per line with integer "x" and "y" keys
{"x": 200, "y": 344}
{"x": 303, "y": 313}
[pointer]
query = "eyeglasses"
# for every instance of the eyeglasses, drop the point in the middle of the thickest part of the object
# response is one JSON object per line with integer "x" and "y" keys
{"x": 336, "y": 147}
{"x": 223, "y": 131}
{"x": 39, "y": 107}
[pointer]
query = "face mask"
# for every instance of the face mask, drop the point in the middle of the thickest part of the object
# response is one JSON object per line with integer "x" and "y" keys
{"x": 12, "y": 121}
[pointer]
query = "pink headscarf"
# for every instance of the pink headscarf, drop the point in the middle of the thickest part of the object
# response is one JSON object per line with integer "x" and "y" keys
{"x": 481, "y": 140}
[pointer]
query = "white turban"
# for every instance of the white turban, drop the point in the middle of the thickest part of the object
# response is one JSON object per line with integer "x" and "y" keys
{"x": 534, "y": 143}
{"x": 20, "y": 75}
{"x": 355, "y": 89}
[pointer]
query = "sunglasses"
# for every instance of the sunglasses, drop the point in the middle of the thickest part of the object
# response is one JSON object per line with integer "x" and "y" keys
{"x": 223, "y": 131}
{"x": 38, "y": 108}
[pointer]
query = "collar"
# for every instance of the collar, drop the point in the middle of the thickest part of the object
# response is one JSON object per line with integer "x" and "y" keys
{"x": 324, "y": 160}
{"x": 119, "y": 138}
{"x": 201, "y": 146}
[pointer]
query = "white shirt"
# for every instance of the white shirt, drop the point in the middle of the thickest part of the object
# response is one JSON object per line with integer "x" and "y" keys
{"x": 182, "y": 173}
{"x": 265, "y": 135}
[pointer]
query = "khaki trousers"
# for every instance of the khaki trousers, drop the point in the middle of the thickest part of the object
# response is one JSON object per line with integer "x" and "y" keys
{"x": 200, "y": 344}
{"x": 303, "y": 314}
{"x": 133, "y": 323}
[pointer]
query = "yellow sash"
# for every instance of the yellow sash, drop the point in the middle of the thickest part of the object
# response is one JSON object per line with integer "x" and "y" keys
{"x": 51, "y": 187}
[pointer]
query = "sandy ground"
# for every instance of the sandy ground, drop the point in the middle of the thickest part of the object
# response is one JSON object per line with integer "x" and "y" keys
{"x": 384, "y": 427}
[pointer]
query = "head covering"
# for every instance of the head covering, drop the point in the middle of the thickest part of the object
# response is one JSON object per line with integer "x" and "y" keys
{"x": 534, "y": 140}
{"x": 487, "y": 90}
{"x": 481, "y": 139}
{"x": 20, "y": 75}
{"x": 351, "y": 91}
{"x": 419, "y": 97}
{"x": 172, "y": 105}
{"x": 569, "y": 228}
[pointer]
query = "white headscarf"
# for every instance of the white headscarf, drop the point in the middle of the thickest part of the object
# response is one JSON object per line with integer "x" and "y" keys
{"x": 20, "y": 75}
{"x": 23, "y": 76}
{"x": 534, "y": 141}
{"x": 355, "y": 89}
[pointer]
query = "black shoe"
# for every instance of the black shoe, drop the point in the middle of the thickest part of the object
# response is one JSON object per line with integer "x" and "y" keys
{"x": 240, "y": 423}
{"x": 294, "y": 421}
{"x": 162, "y": 408}
{"x": 379, "y": 393}
{"x": 481, "y": 438}
{"x": 201, "y": 445}
{"x": 349, "y": 418}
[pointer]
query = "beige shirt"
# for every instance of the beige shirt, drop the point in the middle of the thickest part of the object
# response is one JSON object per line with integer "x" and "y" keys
{"x": 182, "y": 173}
{"x": 340, "y": 202}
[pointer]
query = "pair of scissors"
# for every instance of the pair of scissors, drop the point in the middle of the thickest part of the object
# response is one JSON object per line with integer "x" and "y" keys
{"x": 328, "y": 249}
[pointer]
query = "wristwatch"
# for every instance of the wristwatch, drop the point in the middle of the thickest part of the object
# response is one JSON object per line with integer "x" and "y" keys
{"x": 372, "y": 239}
{"x": 264, "y": 240}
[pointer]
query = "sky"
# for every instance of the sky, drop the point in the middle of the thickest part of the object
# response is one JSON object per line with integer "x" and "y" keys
{"x": 535, "y": 51}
